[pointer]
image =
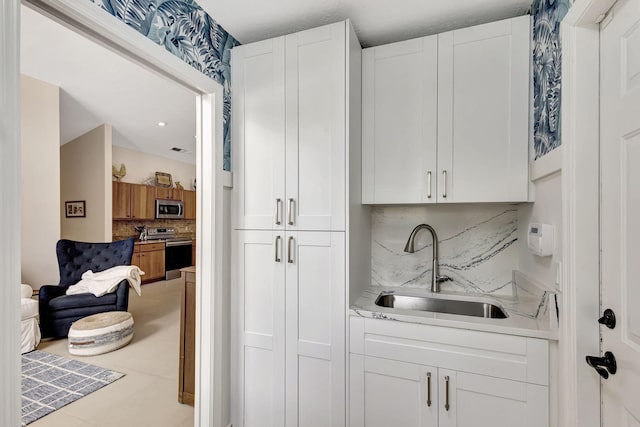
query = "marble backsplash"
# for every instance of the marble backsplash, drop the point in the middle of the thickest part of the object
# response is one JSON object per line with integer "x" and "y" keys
{"x": 125, "y": 229}
{"x": 478, "y": 247}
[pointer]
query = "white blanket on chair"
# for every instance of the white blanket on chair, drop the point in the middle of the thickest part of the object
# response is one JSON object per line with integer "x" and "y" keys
{"x": 107, "y": 281}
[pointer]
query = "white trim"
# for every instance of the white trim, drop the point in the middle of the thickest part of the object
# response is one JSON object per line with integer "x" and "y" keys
{"x": 10, "y": 212}
{"x": 89, "y": 20}
{"x": 546, "y": 165}
{"x": 227, "y": 179}
{"x": 579, "y": 386}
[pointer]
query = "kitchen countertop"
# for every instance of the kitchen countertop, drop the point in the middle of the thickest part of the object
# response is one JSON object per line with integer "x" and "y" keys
{"x": 529, "y": 315}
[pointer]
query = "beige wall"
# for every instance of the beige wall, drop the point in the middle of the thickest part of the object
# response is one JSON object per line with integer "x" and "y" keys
{"x": 141, "y": 166}
{"x": 547, "y": 209}
{"x": 40, "y": 127}
{"x": 85, "y": 174}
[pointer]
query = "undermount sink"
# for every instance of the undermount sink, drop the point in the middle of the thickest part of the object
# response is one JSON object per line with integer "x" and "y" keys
{"x": 440, "y": 305}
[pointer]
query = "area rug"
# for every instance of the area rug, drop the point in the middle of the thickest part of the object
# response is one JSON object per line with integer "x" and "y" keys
{"x": 50, "y": 382}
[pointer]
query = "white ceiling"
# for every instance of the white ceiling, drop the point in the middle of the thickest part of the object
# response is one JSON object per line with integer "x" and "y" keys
{"x": 98, "y": 86}
{"x": 376, "y": 21}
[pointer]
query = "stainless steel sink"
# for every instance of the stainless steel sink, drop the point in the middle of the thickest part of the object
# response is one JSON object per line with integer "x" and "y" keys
{"x": 441, "y": 305}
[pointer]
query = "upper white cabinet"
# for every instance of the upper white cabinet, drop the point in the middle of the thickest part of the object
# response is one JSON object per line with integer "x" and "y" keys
{"x": 450, "y": 122}
{"x": 289, "y": 131}
{"x": 400, "y": 112}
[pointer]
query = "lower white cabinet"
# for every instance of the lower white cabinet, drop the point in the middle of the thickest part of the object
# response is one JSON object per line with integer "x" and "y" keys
{"x": 395, "y": 382}
{"x": 289, "y": 316}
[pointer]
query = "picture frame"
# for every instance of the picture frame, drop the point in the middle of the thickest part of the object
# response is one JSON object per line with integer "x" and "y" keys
{"x": 75, "y": 209}
{"x": 164, "y": 179}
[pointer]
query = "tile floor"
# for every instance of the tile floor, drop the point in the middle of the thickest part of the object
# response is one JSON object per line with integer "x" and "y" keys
{"x": 148, "y": 394}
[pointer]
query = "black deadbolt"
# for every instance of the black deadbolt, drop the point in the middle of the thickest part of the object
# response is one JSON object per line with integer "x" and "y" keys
{"x": 608, "y": 319}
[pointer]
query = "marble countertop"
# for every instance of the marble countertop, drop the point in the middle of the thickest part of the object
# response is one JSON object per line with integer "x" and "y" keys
{"x": 529, "y": 314}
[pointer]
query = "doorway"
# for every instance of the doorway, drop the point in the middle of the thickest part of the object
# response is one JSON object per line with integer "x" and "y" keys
{"x": 85, "y": 18}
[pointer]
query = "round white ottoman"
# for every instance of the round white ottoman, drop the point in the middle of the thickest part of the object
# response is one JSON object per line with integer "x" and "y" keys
{"x": 100, "y": 333}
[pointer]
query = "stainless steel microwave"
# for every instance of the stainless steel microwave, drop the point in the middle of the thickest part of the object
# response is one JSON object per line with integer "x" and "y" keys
{"x": 169, "y": 209}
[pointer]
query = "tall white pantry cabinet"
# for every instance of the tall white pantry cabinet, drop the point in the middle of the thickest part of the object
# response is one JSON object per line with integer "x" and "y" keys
{"x": 297, "y": 221}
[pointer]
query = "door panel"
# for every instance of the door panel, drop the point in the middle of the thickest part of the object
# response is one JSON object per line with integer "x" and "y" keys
{"x": 315, "y": 128}
{"x": 620, "y": 208}
{"x": 258, "y": 125}
{"x": 316, "y": 313}
{"x": 259, "y": 296}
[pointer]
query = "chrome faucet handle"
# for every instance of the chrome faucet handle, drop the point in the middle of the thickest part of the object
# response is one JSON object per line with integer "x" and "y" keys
{"x": 441, "y": 279}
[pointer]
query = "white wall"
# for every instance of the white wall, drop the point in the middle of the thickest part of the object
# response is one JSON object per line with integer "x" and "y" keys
{"x": 547, "y": 209}
{"x": 85, "y": 174}
{"x": 40, "y": 127}
{"x": 141, "y": 166}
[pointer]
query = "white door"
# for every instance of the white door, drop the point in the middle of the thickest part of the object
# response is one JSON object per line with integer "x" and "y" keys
{"x": 390, "y": 393}
{"x": 483, "y": 119}
{"x": 258, "y": 134}
{"x": 471, "y": 400}
{"x": 259, "y": 322}
{"x": 620, "y": 210}
{"x": 315, "y": 329}
{"x": 399, "y": 122}
{"x": 315, "y": 129}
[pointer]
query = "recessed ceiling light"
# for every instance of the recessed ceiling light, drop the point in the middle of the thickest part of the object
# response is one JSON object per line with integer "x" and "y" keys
{"x": 162, "y": 124}
{"x": 179, "y": 150}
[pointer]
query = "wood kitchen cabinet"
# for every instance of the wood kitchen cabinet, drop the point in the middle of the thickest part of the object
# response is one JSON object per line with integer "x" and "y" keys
{"x": 189, "y": 199}
{"x": 446, "y": 117}
{"x": 150, "y": 258}
{"x": 430, "y": 379}
{"x": 187, "y": 367}
{"x": 165, "y": 193}
{"x": 132, "y": 201}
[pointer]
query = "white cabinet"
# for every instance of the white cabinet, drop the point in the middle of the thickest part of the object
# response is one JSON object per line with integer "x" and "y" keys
{"x": 434, "y": 376}
{"x": 483, "y": 112}
{"x": 400, "y": 112}
{"x": 290, "y": 304}
{"x": 289, "y": 262}
{"x": 289, "y": 133}
{"x": 446, "y": 118}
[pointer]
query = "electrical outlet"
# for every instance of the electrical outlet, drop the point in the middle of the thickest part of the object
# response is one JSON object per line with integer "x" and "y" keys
{"x": 558, "y": 275}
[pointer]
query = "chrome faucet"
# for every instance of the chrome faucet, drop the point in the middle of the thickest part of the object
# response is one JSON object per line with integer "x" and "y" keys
{"x": 436, "y": 279}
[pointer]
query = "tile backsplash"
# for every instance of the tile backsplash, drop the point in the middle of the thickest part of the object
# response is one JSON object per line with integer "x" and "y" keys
{"x": 477, "y": 243}
{"x": 124, "y": 229}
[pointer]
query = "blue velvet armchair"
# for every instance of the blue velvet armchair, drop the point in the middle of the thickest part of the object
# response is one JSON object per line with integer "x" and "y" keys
{"x": 57, "y": 310}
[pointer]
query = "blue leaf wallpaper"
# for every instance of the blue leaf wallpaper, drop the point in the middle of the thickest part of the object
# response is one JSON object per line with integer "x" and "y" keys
{"x": 547, "y": 61}
{"x": 189, "y": 33}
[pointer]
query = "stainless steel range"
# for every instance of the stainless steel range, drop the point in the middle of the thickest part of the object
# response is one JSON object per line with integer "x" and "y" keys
{"x": 177, "y": 251}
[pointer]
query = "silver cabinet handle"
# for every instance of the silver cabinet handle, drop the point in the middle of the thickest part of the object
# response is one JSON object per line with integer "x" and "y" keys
{"x": 429, "y": 389}
{"x": 290, "y": 211}
{"x": 446, "y": 393}
{"x": 290, "y": 250}
{"x": 278, "y": 211}
{"x": 278, "y": 238}
{"x": 428, "y": 184}
{"x": 444, "y": 184}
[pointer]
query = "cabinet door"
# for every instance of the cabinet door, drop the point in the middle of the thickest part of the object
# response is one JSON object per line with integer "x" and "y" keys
{"x": 189, "y": 198}
{"x": 483, "y": 112}
{"x": 165, "y": 193}
{"x": 259, "y": 322}
{"x": 258, "y": 132}
{"x": 142, "y": 201}
{"x": 399, "y": 122}
{"x": 390, "y": 393}
{"x": 121, "y": 200}
{"x": 315, "y": 129}
{"x": 315, "y": 328}
{"x": 483, "y": 401}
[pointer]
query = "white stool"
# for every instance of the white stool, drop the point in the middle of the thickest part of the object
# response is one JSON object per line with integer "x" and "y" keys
{"x": 100, "y": 333}
{"x": 29, "y": 320}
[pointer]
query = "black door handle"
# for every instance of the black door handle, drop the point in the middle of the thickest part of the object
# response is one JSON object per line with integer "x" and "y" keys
{"x": 600, "y": 363}
{"x": 608, "y": 319}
